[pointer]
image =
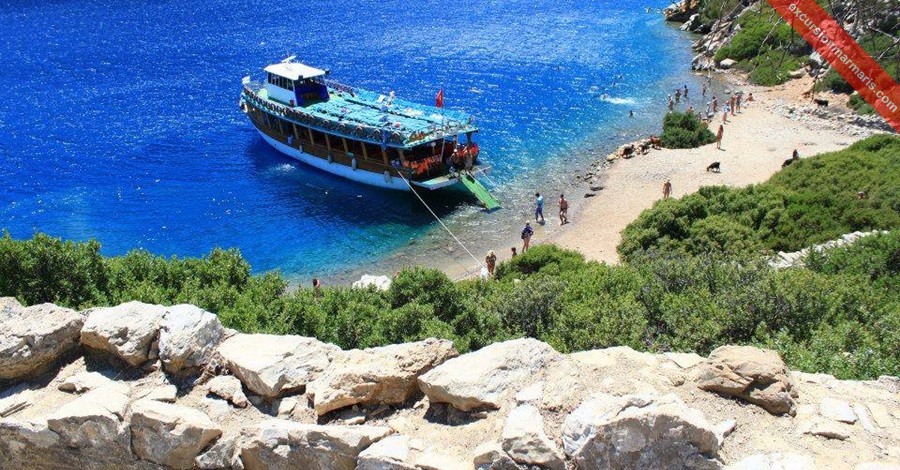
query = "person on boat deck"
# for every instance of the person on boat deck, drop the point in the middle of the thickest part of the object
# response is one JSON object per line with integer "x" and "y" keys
{"x": 538, "y": 207}
{"x": 491, "y": 261}
{"x": 527, "y": 232}
{"x": 563, "y": 210}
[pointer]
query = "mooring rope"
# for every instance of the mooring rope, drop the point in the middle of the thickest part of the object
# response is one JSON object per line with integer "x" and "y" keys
{"x": 439, "y": 219}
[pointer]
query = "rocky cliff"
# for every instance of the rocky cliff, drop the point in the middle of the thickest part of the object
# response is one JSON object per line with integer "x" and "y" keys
{"x": 147, "y": 386}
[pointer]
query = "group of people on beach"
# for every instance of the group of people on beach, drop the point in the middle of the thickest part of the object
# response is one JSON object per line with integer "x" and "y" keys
{"x": 733, "y": 107}
{"x": 490, "y": 260}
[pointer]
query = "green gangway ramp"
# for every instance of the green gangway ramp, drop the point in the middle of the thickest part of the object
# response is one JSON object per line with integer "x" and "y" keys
{"x": 477, "y": 189}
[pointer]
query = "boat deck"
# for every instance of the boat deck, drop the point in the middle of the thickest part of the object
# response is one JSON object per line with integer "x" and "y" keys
{"x": 369, "y": 113}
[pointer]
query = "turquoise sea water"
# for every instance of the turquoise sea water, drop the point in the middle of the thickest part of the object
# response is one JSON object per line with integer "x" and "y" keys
{"x": 120, "y": 122}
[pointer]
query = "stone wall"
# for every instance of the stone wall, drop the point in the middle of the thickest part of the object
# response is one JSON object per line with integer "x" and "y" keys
{"x": 148, "y": 386}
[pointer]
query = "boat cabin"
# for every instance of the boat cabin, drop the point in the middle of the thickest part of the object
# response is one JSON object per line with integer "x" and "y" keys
{"x": 295, "y": 84}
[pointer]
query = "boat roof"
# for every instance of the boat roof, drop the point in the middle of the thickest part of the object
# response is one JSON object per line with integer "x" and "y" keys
{"x": 416, "y": 123}
{"x": 295, "y": 70}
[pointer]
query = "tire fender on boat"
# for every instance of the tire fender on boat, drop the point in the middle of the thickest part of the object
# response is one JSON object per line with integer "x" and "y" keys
{"x": 330, "y": 158}
{"x": 353, "y": 164}
{"x": 387, "y": 176}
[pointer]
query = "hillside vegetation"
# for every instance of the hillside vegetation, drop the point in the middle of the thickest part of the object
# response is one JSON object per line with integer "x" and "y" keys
{"x": 768, "y": 48}
{"x": 841, "y": 315}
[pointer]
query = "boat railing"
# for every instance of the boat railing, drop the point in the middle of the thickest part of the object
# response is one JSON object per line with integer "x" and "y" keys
{"x": 373, "y": 134}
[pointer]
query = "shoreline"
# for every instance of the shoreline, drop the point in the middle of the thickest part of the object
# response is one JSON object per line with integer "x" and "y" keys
{"x": 755, "y": 144}
{"x": 756, "y": 141}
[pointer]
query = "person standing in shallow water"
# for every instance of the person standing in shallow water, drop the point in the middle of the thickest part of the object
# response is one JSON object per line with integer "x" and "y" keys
{"x": 563, "y": 210}
{"x": 527, "y": 232}
{"x": 667, "y": 189}
{"x": 538, "y": 207}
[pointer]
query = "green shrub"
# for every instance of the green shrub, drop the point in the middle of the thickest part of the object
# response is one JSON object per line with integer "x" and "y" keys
{"x": 771, "y": 68}
{"x": 427, "y": 287}
{"x": 684, "y": 130}
{"x": 861, "y": 106}
{"x": 543, "y": 258}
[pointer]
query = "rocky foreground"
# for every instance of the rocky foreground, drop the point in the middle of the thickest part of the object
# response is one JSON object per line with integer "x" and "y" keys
{"x": 146, "y": 386}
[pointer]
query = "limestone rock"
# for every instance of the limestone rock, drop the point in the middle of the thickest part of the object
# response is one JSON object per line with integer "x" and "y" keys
{"x": 878, "y": 466}
{"x": 22, "y": 440}
{"x": 639, "y": 431}
{"x": 828, "y": 429}
{"x": 128, "y": 331}
{"x": 614, "y": 356}
{"x": 86, "y": 381}
{"x": 280, "y": 444}
{"x": 93, "y": 420}
{"x": 486, "y": 454}
{"x": 755, "y": 375}
{"x": 837, "y": 410}
{"x": 14, "y": 400}
{"x": 531, "y": 394}
{"x": 390, "y": 453}
{"x": 188, "y": 336}
{"x": 271, "y": 365}
{"x": 221, "y": 455}
{"x": 229, "y": 388}
{"x": 170, "y": 435}
{"x": 864, "y": 418}
{"x": 727, "y": 63}
{"x": 774, "y": 461}
{"x": 684, "y": 360}
{"x": 525, "y": 441}
{"x": 33, "y": 338}
{"x": 166, "y": 393}
{"x": 384, "y": 375}
{"x": 482, "y": 378}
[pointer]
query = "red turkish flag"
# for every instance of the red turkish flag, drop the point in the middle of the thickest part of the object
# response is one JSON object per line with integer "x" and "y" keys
{"x": 439, "y": 99}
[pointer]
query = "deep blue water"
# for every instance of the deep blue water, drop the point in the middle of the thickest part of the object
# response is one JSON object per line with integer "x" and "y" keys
{"x": 120, "y": 121}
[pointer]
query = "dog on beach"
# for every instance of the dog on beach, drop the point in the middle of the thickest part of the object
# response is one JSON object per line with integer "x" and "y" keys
{"x": 820, "y": 102}
{"x": 714, "y": 167}
{"x": 788, "y": 162}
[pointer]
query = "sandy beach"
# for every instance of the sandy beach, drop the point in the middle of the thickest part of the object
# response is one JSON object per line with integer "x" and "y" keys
{"x": 755, "y": 144}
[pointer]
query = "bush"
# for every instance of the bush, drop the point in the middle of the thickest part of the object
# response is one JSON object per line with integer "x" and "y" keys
{"x": 771, "y": 68}
{"x": 684, "y": 130}
{"x": 861, "y": 106}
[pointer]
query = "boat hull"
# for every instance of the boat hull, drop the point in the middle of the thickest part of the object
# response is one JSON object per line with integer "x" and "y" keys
{"x": 359, "y": 175}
